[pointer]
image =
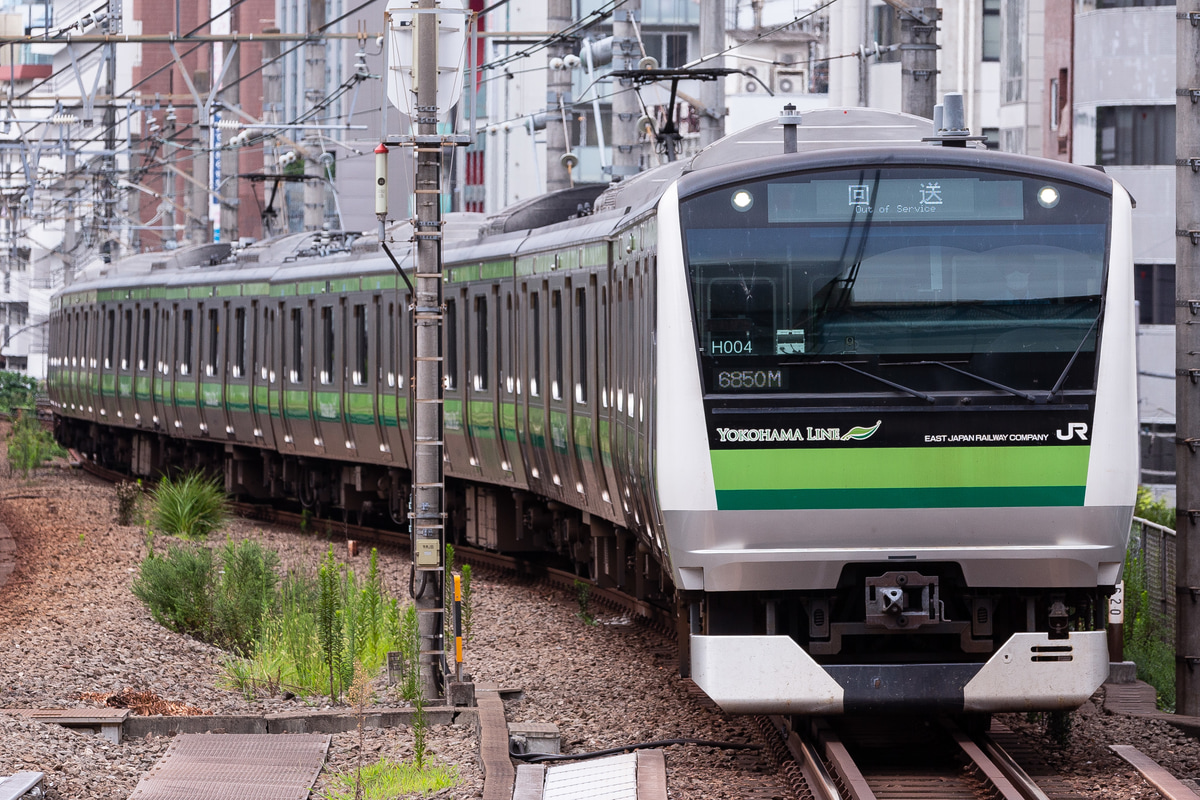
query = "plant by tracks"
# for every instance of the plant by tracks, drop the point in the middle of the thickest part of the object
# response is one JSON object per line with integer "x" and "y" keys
{"x": 30, "y": 445}
{"x": 1149, "y": 634}
{"x": 17, "y": 392}
{"x": 191, "y": 506}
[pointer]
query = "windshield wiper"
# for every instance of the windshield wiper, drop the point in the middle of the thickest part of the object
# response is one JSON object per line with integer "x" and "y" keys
{"x": 1063, "y": 377}
{"x": 1024, "y": 395}
{"x": 898, "y": 386}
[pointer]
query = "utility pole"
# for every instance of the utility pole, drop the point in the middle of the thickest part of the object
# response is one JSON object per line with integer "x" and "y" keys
{"x": 1187, "y": 345}
{"x": 231, "y": 98}
{"x": 314, "y": 95}
{"x": 112, "y": 24}
{"x": 201, "y": 164}
{"x": 68, "y": 245}
{"x": 275, "y": 218}
{"x": 558, "y": 98}
{"x": 712, "y": 93}
{"x": 918, "y": 55}
{"x": 625, "y": 108}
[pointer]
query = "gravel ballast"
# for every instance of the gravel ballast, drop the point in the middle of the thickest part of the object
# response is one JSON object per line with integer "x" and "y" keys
{"x": 70, "y": 625}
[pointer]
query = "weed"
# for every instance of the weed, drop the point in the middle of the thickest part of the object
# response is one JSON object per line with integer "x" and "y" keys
{"x": 30, "y": 445}
{"x": 410, "y": 654}
{"x": 329, "y": 621}
{"x": 246, "y": 593}
{"x": 466, "y": 602}
{"x": 178, "y": 589}
{"x": 191, "y": 506}
{"x": 388, "y": 779}
{"x": 128, "y": 494}
{"x": 583, "y": 592}
{"x": 359, "y": 695}
{"x": 17, "y": 392}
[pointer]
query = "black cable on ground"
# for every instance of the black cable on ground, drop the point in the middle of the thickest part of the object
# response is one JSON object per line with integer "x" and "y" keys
{"x": 534, "y": 758}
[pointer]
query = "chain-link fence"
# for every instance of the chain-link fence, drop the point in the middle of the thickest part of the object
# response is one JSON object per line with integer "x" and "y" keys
{"x": 1152, "y": 546}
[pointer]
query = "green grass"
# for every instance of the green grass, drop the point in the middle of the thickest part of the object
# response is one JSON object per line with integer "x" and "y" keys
{"x": 360, "y": 624}
{"x": 388, "y": 779}
{"x": 191, "y": 506}
{"x": 30, "y": 445}
{"x": 1149, "y": 637}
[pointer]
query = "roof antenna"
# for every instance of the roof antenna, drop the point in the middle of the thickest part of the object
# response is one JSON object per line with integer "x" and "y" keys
{"x": 790, "y": 120}
{"x": 949, "y": 123}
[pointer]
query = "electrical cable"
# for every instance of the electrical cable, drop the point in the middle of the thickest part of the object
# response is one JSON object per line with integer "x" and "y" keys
{"x": 537, "y": 758}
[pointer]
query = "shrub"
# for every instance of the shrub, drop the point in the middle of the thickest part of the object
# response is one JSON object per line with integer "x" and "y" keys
{"x": 129, "y": 493}
{"x": 17, "y": 391}
{"x": 1148, "y": 637}
{"x": 246, "y": 593}
{"x": 191, "y": 506}
{"x": 178, "y": 589}
{"x": 30, "y": 445}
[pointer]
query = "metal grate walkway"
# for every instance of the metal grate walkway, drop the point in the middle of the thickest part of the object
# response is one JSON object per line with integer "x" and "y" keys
{"x": 235, "y": 766}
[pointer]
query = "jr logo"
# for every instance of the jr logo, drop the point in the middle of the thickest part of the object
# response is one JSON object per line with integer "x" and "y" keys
{"x": 1073, "y": 429}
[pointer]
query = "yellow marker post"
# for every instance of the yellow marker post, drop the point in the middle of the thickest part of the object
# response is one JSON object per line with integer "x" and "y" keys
{"x": 458, "y": 627}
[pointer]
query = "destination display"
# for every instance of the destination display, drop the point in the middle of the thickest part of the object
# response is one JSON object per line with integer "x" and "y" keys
{"x": 896, "y": 199}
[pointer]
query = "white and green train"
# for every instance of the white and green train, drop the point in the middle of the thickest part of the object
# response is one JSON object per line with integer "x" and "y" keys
{"x": 865, "y": 412}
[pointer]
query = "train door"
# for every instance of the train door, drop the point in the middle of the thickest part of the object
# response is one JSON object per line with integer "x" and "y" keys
{"x": 390, "y": 367}
{"x": 507, "y": 380}
{"x": 164, "y": 360}
{"x": 286, "y": 352}
{"x": 210, "y": 401}
{"x": 299, "y": 380}
{"x": 143, "y": 399}
{"x": 480, "y": 411}
{"x": 605, "y": 347}
{"x": 361, "y": 385}
{"x": 186, "y": 417}
{"x": 584, "y": 392}
{"x": 532, "y": 414}
{"x": 126, "y": 407}
{"x": 329, "y": 350}
{"x": 239, "y": 370}
{"x": 459, "y": 457}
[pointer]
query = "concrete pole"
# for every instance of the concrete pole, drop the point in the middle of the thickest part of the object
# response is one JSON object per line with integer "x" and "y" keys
{"x": 918, "y": 55}
{"x": 314, "y": 93}
{"x": 558, "y": 94}
{"x": 271, "y": 109}
{"x": 1187, "y": 345}
{"x": 428, "y": 518}
{"x": 712, "y": 93}
{"x": 198, "y": 225}
{"x": 170, "y": 179}
{"x": 625, "y": 107}
{"x": 68, "y": 245}
{"x": 230, "y": 162}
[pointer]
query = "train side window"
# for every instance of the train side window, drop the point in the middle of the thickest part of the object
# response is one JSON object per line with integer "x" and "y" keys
{"x": 265, "y": 370}
{"x": 451, "y": 344}
{"x": 581, "y": 347}
{"x": 214, "y": 339}
{"x": 505, "y": 339}
{"x": 392, "y": 349}
{"x": 127, "y": 339}
{"x": 361, "y": 344}
{"x": 239, "y": 342}
{"x": 602, "y": 346}
{"x": 70, "y": 359}
{"x": 144, "y": 355}
{"x": 556, "y": 341}
{"x": 535, "y": 344}
{"x": 327, "y": 360}
{"x": 481, "y": 343}
{"x": 296, "y": 373}
{"x": 185, "y": 362}
{"x": 110, "y": 336}
{"x": 165, "y": 323}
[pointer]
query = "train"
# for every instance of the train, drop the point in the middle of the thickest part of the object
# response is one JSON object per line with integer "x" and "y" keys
{"x": 857, "y": 400}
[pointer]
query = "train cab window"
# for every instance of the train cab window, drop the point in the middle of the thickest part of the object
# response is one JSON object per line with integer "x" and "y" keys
{"x": 451, "y": 345}
{"x": 239, "y": 343}
{"x": 581, "y": 346}
{"x": 296, "y": 373}
{"x": 327, "y": 343}
{"x": 185, "y": 361}
{"x": 480, "y": 378}
{"x": 556, "y": 342}
{"x": 535, "y": 344}
{"x": 144, "y": 350}
{"x": 361, "y": 344}
{"x": 110, "y": 335}
{"x": 214, "y": 339}
{"x": 127, "y": 339}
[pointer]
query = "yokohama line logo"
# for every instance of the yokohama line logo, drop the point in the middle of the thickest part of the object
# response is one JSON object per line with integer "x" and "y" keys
{"x": 795, "y": 434}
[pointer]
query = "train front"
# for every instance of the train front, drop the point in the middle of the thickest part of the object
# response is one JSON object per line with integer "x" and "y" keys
{"x": 897, "y": 440}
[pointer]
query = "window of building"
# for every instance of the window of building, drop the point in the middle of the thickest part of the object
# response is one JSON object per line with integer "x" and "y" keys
{"x": 669, "y": 49}
{"x": 991, "y": 30}
{"x": 1101, "y": 4}
{"x": 1012, "y": 76}
{"x": 1135, "y": 135}
{"x": 1154, "y": 289}
{"x": 885, "y": 30}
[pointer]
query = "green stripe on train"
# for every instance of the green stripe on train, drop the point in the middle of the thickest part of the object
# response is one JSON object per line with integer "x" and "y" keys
{"x": 902, "y": 477}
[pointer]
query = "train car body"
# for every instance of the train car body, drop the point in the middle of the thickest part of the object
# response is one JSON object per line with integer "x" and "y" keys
{"x": 866, "y": 411}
